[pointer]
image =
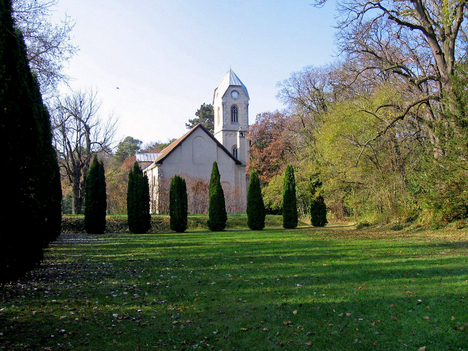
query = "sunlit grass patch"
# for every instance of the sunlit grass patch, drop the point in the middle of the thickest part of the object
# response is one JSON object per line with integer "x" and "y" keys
{"x": 316, "y": 289}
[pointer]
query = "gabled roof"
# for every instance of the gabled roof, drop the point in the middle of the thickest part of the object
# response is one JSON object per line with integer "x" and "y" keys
{"x": 168, "y": 150}
{"x": 229, "y": 79}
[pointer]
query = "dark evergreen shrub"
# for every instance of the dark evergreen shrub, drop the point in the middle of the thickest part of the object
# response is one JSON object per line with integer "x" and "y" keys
{"x": 95, "y": 199}
{"x": 138, "y": 201}
{"x": 318, "y": 212}
{"x": 290, "y": 218}
{"x": 255, "y": 205}
{"x": 318, "y": 209}
{"x": 217, "y": 216}
{"x": 178, "y": 205}
{"x": 27, "y": 167}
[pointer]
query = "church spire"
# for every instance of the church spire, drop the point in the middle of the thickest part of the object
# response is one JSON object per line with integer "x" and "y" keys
{"x": 231, "y": 112}
{"x": 229, "y": 79}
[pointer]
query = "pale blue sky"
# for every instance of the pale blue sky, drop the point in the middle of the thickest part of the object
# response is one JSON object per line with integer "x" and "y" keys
{"x": 167, "y": 57}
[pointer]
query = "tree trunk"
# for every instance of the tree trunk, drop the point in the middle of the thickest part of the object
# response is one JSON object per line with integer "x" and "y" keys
{"x": 78, "y": 199}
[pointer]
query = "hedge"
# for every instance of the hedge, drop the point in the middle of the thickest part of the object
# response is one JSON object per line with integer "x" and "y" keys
{"x": 161, "y": 223}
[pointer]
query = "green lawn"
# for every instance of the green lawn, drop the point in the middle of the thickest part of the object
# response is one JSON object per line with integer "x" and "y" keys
{"x": 335, "y": 288}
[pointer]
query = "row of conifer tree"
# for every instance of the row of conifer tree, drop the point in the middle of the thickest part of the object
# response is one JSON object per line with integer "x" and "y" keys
{"x": 217, "y": 216}
{"x": 138, "y": 200}
{"x": 30, "y": 214}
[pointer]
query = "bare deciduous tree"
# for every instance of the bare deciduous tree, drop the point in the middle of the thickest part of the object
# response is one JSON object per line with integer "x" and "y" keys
{"x": 414, "y": 44}
{"x": 79, "y": 133}
{"x": 48, "y": 46}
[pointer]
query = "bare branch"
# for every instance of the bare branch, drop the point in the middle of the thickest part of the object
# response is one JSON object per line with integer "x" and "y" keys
{"x": 392, "y": 123}
{"x": 48, "y": 46}
{"x": 80, "y": 133}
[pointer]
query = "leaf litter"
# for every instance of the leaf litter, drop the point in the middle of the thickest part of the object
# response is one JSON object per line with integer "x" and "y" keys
{"x": 86, "y": 293}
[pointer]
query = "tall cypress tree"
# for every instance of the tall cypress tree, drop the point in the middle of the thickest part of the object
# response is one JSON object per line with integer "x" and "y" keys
{"x": 95, "y": 199}
{"x": 178, "y": 205}
{"x": 217, "y": 216}
{"x": 290, "y": 218}
{"x": 138, "y": 199}
{"x": 255, "y": 205}
{"x": 27, "y": 214}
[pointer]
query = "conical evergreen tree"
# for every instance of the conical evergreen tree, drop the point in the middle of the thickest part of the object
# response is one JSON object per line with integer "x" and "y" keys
{"x": 255, "y": 205}
{"x": 318, "y": 212}
{"x": 25, "y": 141}
{"x": 178, "y": 205}
{"x": 318, "y": 209}
{"x": 95, "y": 199}
{"x": 290, "y": 218}
{"x": 217, "y": 216}
{"x": 138, "y": 210}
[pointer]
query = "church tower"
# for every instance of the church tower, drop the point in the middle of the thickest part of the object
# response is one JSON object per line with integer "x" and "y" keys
{"x": 231, "y": 115}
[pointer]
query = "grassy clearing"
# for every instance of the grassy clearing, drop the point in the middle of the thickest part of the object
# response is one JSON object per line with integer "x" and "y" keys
{"x": 316, "y": 289}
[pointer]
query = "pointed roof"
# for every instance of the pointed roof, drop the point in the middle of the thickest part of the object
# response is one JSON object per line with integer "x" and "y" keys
{"x": 229, "y": 79}
{"x": 169, "y": 149}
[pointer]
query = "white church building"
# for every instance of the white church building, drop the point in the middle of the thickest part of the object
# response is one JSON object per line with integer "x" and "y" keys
{"x": 192, "y": 155}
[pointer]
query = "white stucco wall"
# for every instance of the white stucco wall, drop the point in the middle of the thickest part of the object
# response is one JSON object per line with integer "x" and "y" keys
{"x": 194, "y": 157}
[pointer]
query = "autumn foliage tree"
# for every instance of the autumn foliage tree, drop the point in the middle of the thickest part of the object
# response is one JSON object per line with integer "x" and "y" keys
{"x": 271, "y": 144}
{"x": 117, "y": 185}
{"x": 405, "y": 57}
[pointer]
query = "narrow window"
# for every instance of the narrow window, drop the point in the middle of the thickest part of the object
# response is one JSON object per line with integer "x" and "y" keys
{"x": 234, "y": 151}
{"x": 234, "y": 114}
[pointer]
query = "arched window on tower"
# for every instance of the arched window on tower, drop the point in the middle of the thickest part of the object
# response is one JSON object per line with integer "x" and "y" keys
{"x": 234, "y": 114}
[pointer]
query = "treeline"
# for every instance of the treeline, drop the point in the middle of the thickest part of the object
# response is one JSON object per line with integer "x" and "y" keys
{"x": 31, "y": 213}
{"x": 381, "y": 133}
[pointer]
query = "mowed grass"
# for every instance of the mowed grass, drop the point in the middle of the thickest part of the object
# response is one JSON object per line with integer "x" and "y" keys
{"x": 335, "y": 288}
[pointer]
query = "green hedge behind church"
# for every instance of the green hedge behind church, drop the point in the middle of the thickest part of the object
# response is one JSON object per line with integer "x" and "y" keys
{"x": 160, "y": 223}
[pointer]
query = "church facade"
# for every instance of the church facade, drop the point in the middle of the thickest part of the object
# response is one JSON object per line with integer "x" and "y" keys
{"x": 192, "y": 155}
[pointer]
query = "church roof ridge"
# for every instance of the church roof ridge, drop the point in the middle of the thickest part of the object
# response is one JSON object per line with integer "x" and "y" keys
{"x": 230, "y": 78}
{"x": 168, "y": 150}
